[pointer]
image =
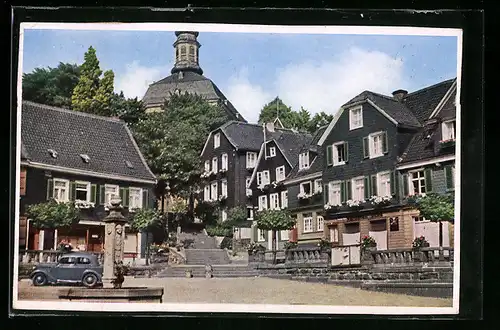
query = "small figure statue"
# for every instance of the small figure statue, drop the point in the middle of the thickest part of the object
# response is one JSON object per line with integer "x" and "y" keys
{"x": 119, "y": 275}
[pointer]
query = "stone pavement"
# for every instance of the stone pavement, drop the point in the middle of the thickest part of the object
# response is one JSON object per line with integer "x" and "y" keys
{"x": 257, "y": 291}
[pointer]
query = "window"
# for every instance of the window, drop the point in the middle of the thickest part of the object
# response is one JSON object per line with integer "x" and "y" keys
{"x": 318, "y": 186}
{"x": 284, "y": 199}
{"x": 224, "y": 188}
{"x": 449, "y": 173}
{"x": 213, "y": 192}
{"x": 265, "y": 177}
{"x": 272, "y": 152}
{"x": 262, "y": 202}
{"x": 308, "y": 227}
{"x": 83, "y": 260}
{"x": 183, "y": 53}
{"x": 284, "y": 235}
{"x": 224, "y": 215}
{"x": 339, "y": 155}
{"x": 355, "y": 118}
{"x": 61, "y": 190}
{"x": 334, "y": 234}
{"x": 82, "y": 191}
{"x": 247, "y": 181}
{"x": 418, "y": 219}
{"x": 207, "y": 166}
{"x": 376, "y": 145}
{"x": 206, "y": 193}
{"x": 259, "y": 178}
{"x": 224, "y": 162}
{"x": 303, "y": 160}
{"x": 274, "y": 202}
{"x": 394, "y": 224}
{"x": 261, "y": 235}
{"x": 251, "y": 159}
{"x": 334, "y": 193}
{"x": 448, "y": 130}
{"x": 191, "y": 53}
{"x": 110, "y": 191}
{"x": 280, "y": 173}
{"x": 216, "y": 140}
{"x": 214, "y": 165}
{"x": 384, "y": 184}
{"x": 249, "y": 212}
{"x": 305, "y": 188}
{"x": 135, "y": 198}
{"x": 67, "y": 260}
{"x": 417, "y": 182}
{"x": 358, "y": 193}
{"x": 320, "y": 223}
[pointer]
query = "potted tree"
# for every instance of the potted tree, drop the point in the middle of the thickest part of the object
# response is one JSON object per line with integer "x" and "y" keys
{"x": 368, "y": 244}
{"x": 274, "y": 220}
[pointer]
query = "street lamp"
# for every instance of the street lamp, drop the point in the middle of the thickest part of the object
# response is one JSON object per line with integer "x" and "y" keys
{"x": 167, "y": 193}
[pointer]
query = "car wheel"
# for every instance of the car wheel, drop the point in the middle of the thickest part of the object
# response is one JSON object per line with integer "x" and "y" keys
{"x": 89, "y": 280}
{"x": 39, "y": 279}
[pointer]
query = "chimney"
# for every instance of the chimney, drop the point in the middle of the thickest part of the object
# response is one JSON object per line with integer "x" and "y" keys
{"x": 399, "y": 94}
{"x": 270, "y": 127}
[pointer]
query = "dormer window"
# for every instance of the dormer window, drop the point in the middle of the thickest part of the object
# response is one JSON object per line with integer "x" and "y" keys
{"x": 251, "y": 159}
{"x": 129, "y": 164}
{"x": 52, "y": 153}
{"x": 304, "y": 160}
{"x": 217, "y": 140}
{"x": 448, "y": 130}
{"x": 85, "y": 158}
{"x": 355, "y": 118}
{"x": 272, "y": 152}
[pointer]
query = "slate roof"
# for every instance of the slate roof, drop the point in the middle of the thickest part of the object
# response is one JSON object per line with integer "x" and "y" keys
{"x": 317, "y": 163}
{"x": 424, "y": 145}
{"x": 395, "y": 109}
{"x": 190, "y": 82}
{"x": 108, "y": 142}
{"x": 291, "y": 143}
{"x": 243, "y": 136}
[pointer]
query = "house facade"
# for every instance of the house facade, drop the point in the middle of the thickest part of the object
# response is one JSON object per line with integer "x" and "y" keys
{"x": 76, "y": 157}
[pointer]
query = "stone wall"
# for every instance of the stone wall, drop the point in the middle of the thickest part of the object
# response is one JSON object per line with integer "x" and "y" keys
{"x": 239, "y": 245}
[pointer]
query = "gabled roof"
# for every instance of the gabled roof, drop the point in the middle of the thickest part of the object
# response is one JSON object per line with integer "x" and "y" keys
{"x": 71, "y": 134}
{"x": 190, "y": 82}
{"x": 316, "y": 162}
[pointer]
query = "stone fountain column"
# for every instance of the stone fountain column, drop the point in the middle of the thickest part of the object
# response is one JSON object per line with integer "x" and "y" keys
{"x": 114, "y": 234}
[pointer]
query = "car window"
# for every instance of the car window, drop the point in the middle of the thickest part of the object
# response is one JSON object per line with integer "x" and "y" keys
{"x": 83, "y": 260}
{"x": 67, "y": 260}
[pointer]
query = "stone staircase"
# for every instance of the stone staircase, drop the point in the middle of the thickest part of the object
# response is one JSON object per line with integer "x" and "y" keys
{"x": 206, "y": 256}
{"x": 197, "y": 240}
{"x": 219, "y": 271}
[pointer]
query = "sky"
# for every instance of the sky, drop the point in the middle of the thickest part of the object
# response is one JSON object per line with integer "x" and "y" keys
{"x": 319, "y": 72}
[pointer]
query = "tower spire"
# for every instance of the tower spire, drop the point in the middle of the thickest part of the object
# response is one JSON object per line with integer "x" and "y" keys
{"x": 187, "y": 52}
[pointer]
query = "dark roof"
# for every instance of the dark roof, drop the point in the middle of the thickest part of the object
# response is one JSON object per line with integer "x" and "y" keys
{"x": 317, "y": 162}
{"x": 243, "y": 136}
{"x": 395, "y": 109}
{"x": 108, "y": 142}
{"x": 24, "y": 153}
{"x": 422, "y": 102}
{"x": 190, "y": 82}
{"x": 291, "y": 143}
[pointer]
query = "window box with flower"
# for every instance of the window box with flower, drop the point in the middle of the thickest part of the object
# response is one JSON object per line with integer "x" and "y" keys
{"x": 303, "y": 196}
{"x": 380, "y": 201}
{"x": 81, "y": 204}
{"x": 445, "y": 144}
{"x": 205, "y": 175}
{"x": 330, "y": 208}
{"x": 420, "y": 242}
{"x": 353, "y": 204}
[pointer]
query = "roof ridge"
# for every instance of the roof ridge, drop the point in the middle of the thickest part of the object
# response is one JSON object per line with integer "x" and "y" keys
{"x": 75, "y": 112}
{"x": 429, "y": 87}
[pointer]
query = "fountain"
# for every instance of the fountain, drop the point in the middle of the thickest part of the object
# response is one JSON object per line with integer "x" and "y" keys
{"x": 113, "y": 277}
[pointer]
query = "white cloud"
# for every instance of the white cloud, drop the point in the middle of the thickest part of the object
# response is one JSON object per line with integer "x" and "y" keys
{"x": 135, "y": 80}
{"x": 320, "y": 86}
{"x": 247, "y": 98}
{"x": 325, "y": 86}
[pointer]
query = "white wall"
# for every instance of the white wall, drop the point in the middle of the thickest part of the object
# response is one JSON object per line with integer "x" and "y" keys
{"x": 430, "y": 230}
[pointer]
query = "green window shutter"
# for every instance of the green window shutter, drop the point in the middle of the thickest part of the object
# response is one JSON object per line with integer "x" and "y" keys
{"x": 325, "y": 194}
{"x": 394, "y": 183}
{"x": 406, "y": 190}
{"x": 93, "y": 193}
{"x": 329, "y": 156}
{"x": 342, "y": 192}
{"x": 278, "y": 235}
{"x": 448, "y": 173}
{"x": 255, "y": 233}
{"x": 374, "y": 185}
{"x": 145, "y": 201}
{"x": 346, "y": 152}
{"x": 366, "y": 150}
{"x": 367, "y": 187}
{"x": 102, "y": 195}
{"x": 122, "y": 196}
{"x": 72, "y": 190}
{"x": 127, "y": 197}
{"x": 50, "y": 189}
{"x": 349, "y": 189}
{"x": 385, "y": 144}
{"x": 428, "y": 180}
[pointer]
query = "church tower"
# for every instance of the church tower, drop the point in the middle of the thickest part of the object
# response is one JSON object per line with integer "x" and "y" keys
{"x": 187, "y": 50}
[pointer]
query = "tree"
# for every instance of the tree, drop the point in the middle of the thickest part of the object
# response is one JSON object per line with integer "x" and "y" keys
{"x": 274, "y": 220}
{"x": 320, "y": 119}
{"x": 144, "y": 220}
{"x": 51, "y": 86}
{"x": 437, "y": 208}
{"x": 93, "y": 94}
{"x": 128, "y": 110}
{"x": 51, "y": 214}
{"x": 276, "y": 108}
{"x": 300, "y": 120}
{"x": 172, "y": 140}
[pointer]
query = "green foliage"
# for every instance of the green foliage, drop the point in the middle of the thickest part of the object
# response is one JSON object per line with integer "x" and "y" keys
{"x": 128, "y": 110}
{"x": 52, "y": 214}
{"x": 236, "y": 216}
{"x": 145, "y": 219}
{"x": 227, "y": 243}
{"x": 51, "y": 86}
{"x": 219, "y": 230}
{"x": 290, "y": 245}
{"x": 437, "y": 207}
{"x": 93, "y": 94}
{"x": 207, "y": 212}
{"x": 172, "y": 140}
{"x": 274, "y": 220}
{"x": 419, "y": 242}
{"x": 325, "y": 244}
{"x": 368, "y": 241}
{"x": 178, "y": 205}
{"x": 320, "y": 119}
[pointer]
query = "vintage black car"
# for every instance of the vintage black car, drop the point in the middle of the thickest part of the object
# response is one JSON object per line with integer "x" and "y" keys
{"x": 74, "y": 267}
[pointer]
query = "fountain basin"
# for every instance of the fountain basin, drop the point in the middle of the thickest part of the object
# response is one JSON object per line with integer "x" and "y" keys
{"x": 130, "y": 294}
